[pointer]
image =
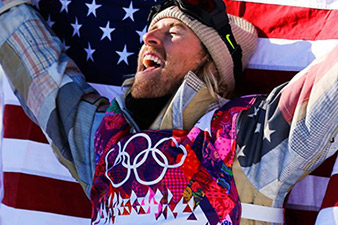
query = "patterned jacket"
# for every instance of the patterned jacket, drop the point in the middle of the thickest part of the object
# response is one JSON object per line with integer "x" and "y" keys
{"x": 278, "y": 140}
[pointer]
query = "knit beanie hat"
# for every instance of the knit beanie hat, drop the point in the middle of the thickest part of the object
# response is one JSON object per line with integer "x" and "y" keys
{"x": 243, "y": 31}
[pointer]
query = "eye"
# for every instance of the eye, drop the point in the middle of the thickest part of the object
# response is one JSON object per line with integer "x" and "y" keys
{"x": 173, "y": 31}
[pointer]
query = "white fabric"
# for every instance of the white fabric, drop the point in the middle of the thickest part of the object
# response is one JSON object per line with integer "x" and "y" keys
{"x": 327, "y": 216}
{"x": 204, "y": 123}
{"x": 262, "y": 213}
{"x": 109, "y": 91}
{"x": 314, "y": 188}
{"x": 10, "y": 216}
{"x": 274, "y": 53}
{"x": 26, "y": 156}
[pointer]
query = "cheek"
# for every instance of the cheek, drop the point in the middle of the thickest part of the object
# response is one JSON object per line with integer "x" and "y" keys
{"x": 192, "y": 54}
{"x": 176, "y": 67}
{"x": 193, "y": 61}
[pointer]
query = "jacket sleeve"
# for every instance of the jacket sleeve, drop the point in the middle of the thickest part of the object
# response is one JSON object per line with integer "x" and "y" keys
{"x": 51, "y": 89}
{"x": 291, "y": 132}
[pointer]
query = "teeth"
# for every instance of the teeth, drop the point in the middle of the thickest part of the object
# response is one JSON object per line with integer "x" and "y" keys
{"x": 151, "y": 58}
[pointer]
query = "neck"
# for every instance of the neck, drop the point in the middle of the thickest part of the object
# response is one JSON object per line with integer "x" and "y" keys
{"x": 145, "y": 110}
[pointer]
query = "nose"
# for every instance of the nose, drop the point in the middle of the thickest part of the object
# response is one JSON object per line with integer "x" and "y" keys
{"x": 152, "y": 38}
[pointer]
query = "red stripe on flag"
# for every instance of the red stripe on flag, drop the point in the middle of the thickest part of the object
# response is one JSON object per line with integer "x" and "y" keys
{"x": 325, "y": 169}
{"x": 255, "y": 81}
{"x": 31, "y": 192}
{"x": 296, "y": 217}
{"x": 287, "y": 22}
{"x": 18, "y": 125}
{"x": 331, "y": 195}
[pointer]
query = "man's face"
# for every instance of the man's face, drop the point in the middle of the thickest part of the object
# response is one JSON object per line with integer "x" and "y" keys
{"x": 170, "y": 51}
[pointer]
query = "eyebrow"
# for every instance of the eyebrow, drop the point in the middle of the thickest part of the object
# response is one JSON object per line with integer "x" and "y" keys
{"x": 170, "y": 25}
{"x": 177, "y": 24}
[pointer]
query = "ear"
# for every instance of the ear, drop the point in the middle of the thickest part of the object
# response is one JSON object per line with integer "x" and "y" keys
{"x": 206, "y": 58}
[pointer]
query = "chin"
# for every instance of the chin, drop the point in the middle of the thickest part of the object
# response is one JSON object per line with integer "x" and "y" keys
{"x": 151, "y": 88}
{"x": 145, "y": 92}
{"x": 143, "y": 89}
{"x": 138, "y": 92}
{"x": 141, "y": 94}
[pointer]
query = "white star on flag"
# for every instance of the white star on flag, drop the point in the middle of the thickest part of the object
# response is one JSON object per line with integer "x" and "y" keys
{"x": 268, "y": 132}
{"x": 141, "y": 33}
{"x": 50, "y": 22}
{"x": 92, "y": 8}
{"x": 88, "y": 21}
{"x": 66, "y": 47}
{"x": 107, "y": 31}
{"x": 90, "y": 52}
{"x": 258, "y": 128}
{"x": 129, "y": 12}
{"x": 124, "y": 55}
{"x": 36, "y": 3}
{"x": 65, "y": 4}
{"x": 255, "y": 112}
{"x": 240, "y": 151}
{"x": 76, "y": 27}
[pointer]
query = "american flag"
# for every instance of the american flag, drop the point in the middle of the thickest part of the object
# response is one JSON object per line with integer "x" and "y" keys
{"x": 103, "y": 38}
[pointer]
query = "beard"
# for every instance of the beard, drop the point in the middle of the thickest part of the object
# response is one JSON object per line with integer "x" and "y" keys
{"x": 153, "y": 88}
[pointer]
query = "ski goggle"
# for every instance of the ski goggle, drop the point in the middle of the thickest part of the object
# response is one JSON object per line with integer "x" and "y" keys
{"x": 212, "y": 13}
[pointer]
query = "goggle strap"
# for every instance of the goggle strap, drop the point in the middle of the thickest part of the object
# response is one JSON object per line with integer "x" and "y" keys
{"x": 154, "y": 10}
{"x": 234, "y": 49}
{"x": 238, "y": 67}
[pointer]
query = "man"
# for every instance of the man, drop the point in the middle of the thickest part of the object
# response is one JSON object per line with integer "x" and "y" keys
{"x": 165, "y": 151}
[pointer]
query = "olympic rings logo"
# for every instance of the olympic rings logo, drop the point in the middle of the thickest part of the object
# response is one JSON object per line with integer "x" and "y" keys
{"x": 123, "y": 158}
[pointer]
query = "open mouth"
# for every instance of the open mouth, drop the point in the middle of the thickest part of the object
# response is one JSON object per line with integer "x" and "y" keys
{"x": 151, "y": 61}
